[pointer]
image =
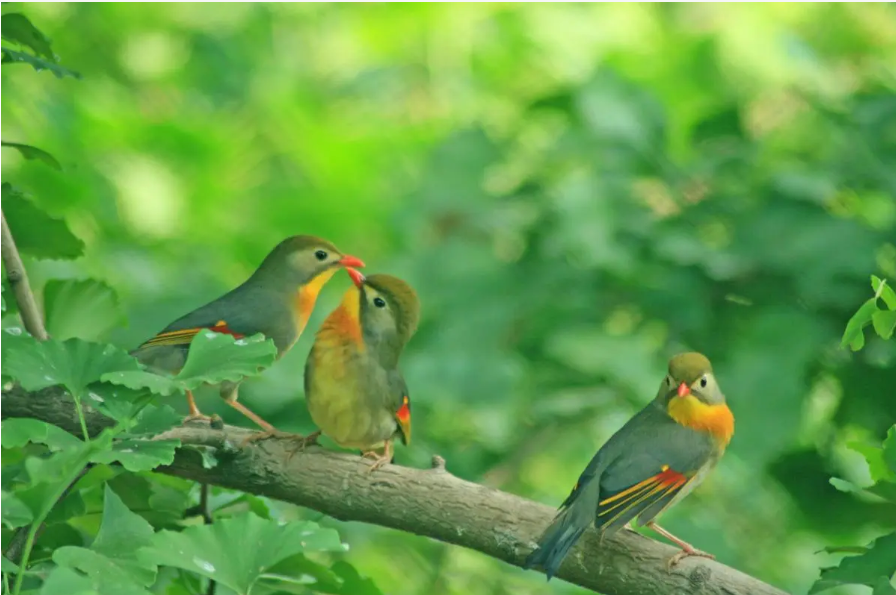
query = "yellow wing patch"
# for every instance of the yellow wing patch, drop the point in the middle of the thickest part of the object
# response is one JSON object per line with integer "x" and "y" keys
{"x": 642, "y": 494}
{"x": 185, "y": 336}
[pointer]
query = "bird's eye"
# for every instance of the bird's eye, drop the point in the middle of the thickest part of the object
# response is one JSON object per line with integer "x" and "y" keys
{"x": 321, "y": 255}
{"x": 379, "y": 302}
{"x": 703, "y": 382}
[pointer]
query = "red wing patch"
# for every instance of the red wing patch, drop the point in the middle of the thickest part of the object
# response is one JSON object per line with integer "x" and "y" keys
{"x": 185, "y": 336}
{"x": 626, "y": 504}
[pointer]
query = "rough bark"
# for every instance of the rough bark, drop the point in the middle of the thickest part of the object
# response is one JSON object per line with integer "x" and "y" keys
{"x": 428, "y": 502}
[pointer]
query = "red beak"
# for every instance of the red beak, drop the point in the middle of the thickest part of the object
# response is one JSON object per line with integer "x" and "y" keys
{"x": 351, "y": 261}
{"x": 683, "y": 389}
{"x": 357, "y": 277}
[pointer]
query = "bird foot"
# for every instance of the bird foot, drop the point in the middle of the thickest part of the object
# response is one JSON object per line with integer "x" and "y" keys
{"x": 378, "y": 459}
{"x": 303, "y": 441}
{"x": 265, "y": 435}
{"x": 686, "y": 553}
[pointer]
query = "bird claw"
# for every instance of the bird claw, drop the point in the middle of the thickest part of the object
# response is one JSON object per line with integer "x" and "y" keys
{"x": 265, "y": 435}
{"x": 378, "y": 460}
{"x": 197, "y": 417}
{"x": 686, "y": 553}
{"x": 303, "y": 441}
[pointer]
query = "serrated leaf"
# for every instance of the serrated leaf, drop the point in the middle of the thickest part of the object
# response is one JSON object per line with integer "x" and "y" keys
{"x": 888, "y": 294}
{"x": 18, "y": 29}
{"x": 87, "y": 309}
{"x": 236, "y": 551}
{"x": 212, "y": 359}
{"x": 35, "y": 232}
{"x": 38, "y": 64}
{"x": 19, "y": 431}
{"x": 73, "y": 363}
{"x": 853, "y": 336}
{"x": 141, "y": 380}
{"x": 117, "y": 402}
{"x": 864, "y": 569}
{"x": 15, "y": 513}
{"x": 884, "y": 321}
{"x": 33, "y": 153}
{"x": 215, "y": 357}
{"x": 139, "y": 455}
{"x": 65, "y": 581}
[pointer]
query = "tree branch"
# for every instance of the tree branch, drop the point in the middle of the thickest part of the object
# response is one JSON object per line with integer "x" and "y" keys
{"x": 428, "y": 502}
{"x": 18, "y": 280}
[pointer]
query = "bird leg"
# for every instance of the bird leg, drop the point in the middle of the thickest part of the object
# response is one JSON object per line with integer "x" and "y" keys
{"x": 686, "y": 548}
{"x": 194, "y": 410}
{"x": 379, "y": 459}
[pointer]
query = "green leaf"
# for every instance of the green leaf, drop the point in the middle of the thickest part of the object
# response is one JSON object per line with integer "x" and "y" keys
{"x": 19, "y": 431}
{"x": 236, "y": 551}
{"x": 9, "y": 565}
{"x": 38, "y": 64}
{"x": 139, "y": 455}
{"x": 18, "y": 29}
{"x": 156, "y": 419}
{"x": 889, "y": 449}
{"x": 352, "y": 582}
{"x": 107, "y": 577}
{"x": 883, "y": 586}
{"x": 35, "y": 232}
{"x": 73, "y": 363}
{"x": 65, "y": 581}
{"x": 86, "y": 309}
{"x": 884, "y": 321}
{"x": 32, "y": 153}
{"x": 864, "y": 569}
{"x": 122, "y": 533}
{"x": 140, "y": 380}
{"x": 874, "y": 456}
{"x": 209, "y": 460}
{"x": 852, "y": 336}
{"x": 117, "y": 402}
{"x": 15, "y": 513}
{"x": 886, "y": 291}
{"x": 112, "y": 564}
{"x": 213, "y": 358}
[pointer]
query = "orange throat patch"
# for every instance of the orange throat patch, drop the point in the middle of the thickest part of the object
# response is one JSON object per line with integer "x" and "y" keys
{"x": 306, "y": 297}
{"x": 344, "y": 323}
{"x": 718, "y": 420}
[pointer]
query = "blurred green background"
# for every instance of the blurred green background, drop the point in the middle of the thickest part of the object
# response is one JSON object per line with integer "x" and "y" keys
{"x": 577, "y": 192}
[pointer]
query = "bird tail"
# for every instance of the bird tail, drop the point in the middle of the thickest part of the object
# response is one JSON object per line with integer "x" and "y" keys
{"x": 565, "y": 530}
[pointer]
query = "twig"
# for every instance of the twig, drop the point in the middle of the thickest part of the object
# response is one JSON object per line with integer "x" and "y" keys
{"x": 428, "y": 502}
{"x": 18, "y": 280}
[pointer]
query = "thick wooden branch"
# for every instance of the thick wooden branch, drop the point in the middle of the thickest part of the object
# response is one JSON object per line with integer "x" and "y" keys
{"x": 18, "y": 281}
{"x": 427, "y": 502}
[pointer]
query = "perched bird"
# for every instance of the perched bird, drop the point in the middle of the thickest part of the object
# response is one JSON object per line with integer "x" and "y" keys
{"x": 276, "y": 301}
{"x": 651, "y": 463}
{"x": 354, "y": 390}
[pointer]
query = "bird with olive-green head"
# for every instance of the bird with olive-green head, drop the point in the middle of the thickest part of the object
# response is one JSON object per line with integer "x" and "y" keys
{"x": 650, "y": 464}
{"x": 275, "y": 301}
{"x": 354, "y": 390}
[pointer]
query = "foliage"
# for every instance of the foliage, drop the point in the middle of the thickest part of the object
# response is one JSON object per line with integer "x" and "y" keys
{"x": 576, "y": 192}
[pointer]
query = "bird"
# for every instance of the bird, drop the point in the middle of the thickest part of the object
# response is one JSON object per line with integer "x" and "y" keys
{"x": 657, "y": 458}
{"x": 355, "y": 393}
{"x": 276, "y": 301}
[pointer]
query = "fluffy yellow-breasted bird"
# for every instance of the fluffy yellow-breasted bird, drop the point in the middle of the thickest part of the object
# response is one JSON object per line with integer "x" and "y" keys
{"x": 276, "y": 301}
{"x": 651, "y": 463}
{"x": 355, "y": 393}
